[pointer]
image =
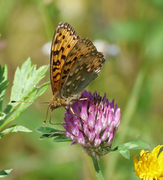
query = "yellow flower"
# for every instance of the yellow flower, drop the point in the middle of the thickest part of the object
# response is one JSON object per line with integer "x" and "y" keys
{"x": 150, "y": 165}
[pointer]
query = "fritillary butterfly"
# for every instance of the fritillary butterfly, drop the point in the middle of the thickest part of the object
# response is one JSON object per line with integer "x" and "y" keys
{"x": 74, "y": 64}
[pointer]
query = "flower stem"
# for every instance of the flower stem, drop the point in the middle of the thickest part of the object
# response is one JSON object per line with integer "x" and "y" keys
{"x": 97, "y": 169}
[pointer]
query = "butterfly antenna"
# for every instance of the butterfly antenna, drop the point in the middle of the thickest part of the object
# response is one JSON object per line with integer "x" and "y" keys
{"x": 28, "y": 102}
{"x": 46, "y": 116}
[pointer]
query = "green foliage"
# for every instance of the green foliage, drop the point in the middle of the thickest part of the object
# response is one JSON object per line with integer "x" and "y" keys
{"x": 5, "y": 173}
{"x": 49, "y": 132}
{"x": 24, "y": 89}
{"x": 124, "y": 148}
{"x": 136, "y": 28}
{"x": 3, "y": 83}
{"x": 14, "y": 129}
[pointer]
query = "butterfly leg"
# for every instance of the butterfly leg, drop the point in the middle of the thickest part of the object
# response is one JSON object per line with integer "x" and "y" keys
{"x": 82, "y": 99}
{"x": 77, "y": 115}
{"x": 46, "y": 116}
{"x": 50, "y": 118}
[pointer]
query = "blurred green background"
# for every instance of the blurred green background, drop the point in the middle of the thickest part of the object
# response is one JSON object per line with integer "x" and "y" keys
{"x": 134, "y": 78}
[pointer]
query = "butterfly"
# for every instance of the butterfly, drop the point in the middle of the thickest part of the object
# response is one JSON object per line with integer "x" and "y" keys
{"x": 74, "y": 64}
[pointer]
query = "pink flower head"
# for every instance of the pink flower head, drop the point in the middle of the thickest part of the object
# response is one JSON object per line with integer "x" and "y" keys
{"x": 96, "y": 125}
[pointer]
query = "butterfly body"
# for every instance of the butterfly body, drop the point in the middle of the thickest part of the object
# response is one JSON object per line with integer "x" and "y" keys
{"x": 57, "y": 102}
{"x": 74, "y": 64}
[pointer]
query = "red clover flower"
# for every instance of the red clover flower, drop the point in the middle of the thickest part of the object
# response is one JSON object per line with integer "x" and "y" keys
{"x": 97, "y": 126}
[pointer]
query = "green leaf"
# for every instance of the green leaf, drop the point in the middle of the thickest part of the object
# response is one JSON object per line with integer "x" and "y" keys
{"x": 46, "y": 136}
{"x": 26, "y": 79}
{"x": 47, "y": 130}
{"x": 3, "y": 83}
{"x": 5, "y": 173}
{"x": 24, "y": 89}
{"x": 14, "y": 129}
{"x": 123, "y": 149}
{"x": 125, "y": 153}
{"x": 42, "y": 88}
{"x": 2, "y": 115}
{"x": 61, "y": 138}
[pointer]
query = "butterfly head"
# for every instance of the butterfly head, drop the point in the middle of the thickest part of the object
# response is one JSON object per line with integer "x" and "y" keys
{"x": 54, "y": 105}
{"x": 55, "y": 102}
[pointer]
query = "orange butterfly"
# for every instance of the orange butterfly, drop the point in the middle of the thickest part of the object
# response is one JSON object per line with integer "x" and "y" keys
{"x": 74, "y": 64}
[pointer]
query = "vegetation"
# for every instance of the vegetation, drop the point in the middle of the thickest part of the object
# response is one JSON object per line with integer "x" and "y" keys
{"x": 133, "y": 78}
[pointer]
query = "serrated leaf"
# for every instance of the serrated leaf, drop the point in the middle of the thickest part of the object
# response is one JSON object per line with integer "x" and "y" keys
{"x": 3, "y": 83}
{"x": 26, "y": 79}
{"x": 47, "y": 130}
{"x": 5, "y": 173}
{"x": 19, "y": 83}
{"x": 123, "y": 149}
{"x": 25, "y": 89}
{"x": 14, "y": 129}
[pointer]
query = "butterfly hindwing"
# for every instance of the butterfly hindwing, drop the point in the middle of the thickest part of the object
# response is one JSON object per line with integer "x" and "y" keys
{"x": 82, "y": 47}
{"x": 82, "y": 73}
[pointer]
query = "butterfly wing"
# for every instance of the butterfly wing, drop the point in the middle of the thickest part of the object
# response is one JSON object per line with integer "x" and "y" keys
{"x": 82, "y": 47}
{"x": 63, "y": 42}
{"x": 83, "y": 72}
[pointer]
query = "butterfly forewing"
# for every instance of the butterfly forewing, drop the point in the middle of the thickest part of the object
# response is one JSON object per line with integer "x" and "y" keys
{"x": 63, "y": 42}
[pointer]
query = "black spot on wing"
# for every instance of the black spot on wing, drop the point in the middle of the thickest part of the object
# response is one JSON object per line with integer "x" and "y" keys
{"x": 57, "y": 81}
{"x": 63, "y": 57}
{"x": 75, "y": 58}
{"x": 55, "y": 52}
{"x": 66, "y": 71}
{"x": 69, "y": 62}
{"x": 63, "y": 77}
{"x": 54, "y": 69}
{"x": 62, "y": 49}
{"x": 56, "y": 75}
{"x": 57, "y": 63}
